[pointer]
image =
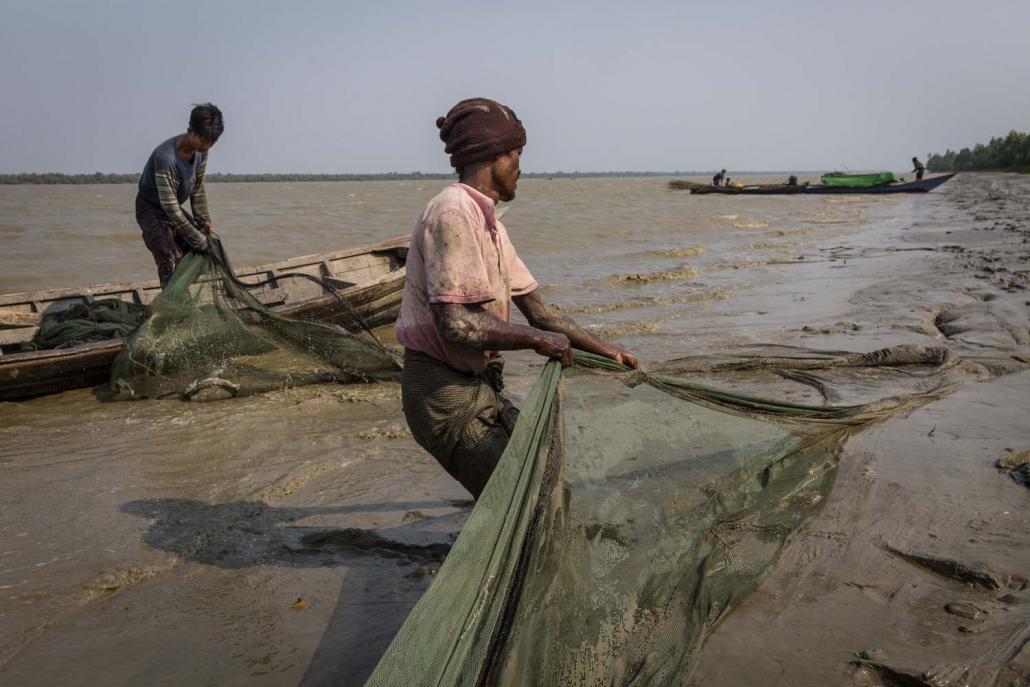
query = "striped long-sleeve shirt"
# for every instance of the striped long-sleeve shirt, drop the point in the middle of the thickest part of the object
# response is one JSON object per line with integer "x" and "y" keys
{"x": 167, "y": 182}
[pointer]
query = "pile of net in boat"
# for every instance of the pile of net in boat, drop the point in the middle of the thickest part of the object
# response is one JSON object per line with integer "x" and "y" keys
{"x": 82, "y": 323}
{"x": 208, "y": 336}
{"x": 629, "y": 513}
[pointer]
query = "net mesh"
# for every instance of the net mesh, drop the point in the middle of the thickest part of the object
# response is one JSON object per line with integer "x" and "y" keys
{"x": 630, "y": 512}
{"x": 209, "y": 335}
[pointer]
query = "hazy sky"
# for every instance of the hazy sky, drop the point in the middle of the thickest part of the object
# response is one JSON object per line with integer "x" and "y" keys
{"x": 356, "y": 86}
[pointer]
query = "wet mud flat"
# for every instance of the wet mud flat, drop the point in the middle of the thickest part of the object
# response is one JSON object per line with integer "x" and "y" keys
{"x": 282, "y": 538}
{"x": 916, "y": 571}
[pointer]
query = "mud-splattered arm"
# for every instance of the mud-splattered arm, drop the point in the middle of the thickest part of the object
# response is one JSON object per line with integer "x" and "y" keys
{"x": 542, "y": 316}
{"x": 471, "y": 325}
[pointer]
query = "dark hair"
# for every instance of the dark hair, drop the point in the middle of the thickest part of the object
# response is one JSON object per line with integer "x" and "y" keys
{"x": 206, "y": 122}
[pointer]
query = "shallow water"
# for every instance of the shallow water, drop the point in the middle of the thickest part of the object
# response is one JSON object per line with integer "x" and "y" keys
{"x": 626, "y": 254}
{"x": 161, "y": 541}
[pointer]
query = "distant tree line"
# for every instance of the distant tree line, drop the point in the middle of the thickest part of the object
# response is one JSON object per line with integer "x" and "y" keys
{"x": 1009, "y": 153}
{"x": 56, "y": 178}
{"x": 101, "y": 178}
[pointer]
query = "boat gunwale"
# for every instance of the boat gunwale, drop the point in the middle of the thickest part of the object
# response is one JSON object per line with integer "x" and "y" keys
{"x": 349, "y": 293}
{"x": 29, "y": 297}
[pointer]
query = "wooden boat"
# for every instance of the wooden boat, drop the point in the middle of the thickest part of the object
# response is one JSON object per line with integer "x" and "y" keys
{"x": 921, "y": 186}
{"x": 752, "y": 189}
{"x": 369, "y": 278}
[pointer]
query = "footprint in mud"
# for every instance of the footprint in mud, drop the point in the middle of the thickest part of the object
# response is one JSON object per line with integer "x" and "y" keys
{"x": 965, "y": 609}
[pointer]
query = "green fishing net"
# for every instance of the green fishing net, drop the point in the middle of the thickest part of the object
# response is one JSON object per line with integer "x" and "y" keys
{"x": 209, "y": 335}
{"x": 629, "y": 513}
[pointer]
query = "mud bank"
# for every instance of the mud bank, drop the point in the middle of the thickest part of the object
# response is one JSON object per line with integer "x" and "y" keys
{"x": 916, "y": 571}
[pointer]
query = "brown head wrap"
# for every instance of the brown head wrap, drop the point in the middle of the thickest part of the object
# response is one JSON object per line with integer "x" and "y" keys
{"x": 479, "y": 129}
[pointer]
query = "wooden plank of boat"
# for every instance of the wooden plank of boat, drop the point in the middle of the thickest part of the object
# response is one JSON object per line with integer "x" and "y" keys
{"x": 37, "y": 373}
{"x": 371, "y": 280}
{"x": 19, "y": 319}
{"x": 754, "y": 189}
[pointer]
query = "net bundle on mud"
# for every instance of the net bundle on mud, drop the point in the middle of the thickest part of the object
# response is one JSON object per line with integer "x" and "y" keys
{"x": 631, "y": 511}
{"x": 208, "y": 335}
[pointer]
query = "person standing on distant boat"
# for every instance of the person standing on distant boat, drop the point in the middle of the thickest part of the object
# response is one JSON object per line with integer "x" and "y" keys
{"x": 717, "y": 180}
{"x": 918, "y": 168}
{"x": 174, "y": 172}
{"x": 463, "y": 275}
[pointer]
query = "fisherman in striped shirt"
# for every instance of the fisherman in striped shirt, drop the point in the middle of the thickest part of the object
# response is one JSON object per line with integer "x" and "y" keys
{"x": 175, "y": 172}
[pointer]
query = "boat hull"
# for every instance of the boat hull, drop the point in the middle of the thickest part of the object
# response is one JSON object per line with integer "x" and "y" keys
{"x": 921, "y": 186}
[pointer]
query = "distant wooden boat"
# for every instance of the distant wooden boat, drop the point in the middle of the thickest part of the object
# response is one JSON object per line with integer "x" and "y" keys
{"x": 752, "y": 189}
{"x": 369, "y": 278}
{"x": 921, "y": 186}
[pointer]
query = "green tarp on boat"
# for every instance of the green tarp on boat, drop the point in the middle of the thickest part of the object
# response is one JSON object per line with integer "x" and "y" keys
{"x": 859, "y": 180}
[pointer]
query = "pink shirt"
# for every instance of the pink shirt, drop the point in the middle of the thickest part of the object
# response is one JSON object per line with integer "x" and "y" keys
{"x": 460, "y": 253}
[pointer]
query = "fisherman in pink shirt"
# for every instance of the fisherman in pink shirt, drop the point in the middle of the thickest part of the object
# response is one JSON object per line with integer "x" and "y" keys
{"x": 462, "y": 276}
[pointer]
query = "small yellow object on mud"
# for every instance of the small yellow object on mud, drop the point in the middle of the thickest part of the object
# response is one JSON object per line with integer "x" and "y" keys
{"x": 299, "y": 604}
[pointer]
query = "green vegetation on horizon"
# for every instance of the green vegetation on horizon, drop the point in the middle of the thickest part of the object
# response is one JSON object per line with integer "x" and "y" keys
{"x": 1011, "y": 153}
{"x": 101, "y": 178}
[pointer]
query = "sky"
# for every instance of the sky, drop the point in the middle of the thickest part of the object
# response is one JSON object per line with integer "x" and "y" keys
{"x": 349, "y": 87}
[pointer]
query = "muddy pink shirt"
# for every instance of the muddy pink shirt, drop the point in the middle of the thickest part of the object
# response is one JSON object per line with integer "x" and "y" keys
{"x": 459, "y": 254}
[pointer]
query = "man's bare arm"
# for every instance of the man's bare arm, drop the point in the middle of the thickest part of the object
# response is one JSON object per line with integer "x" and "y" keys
{"x": 542, "y": 316}
{"x": 473, "y": 326}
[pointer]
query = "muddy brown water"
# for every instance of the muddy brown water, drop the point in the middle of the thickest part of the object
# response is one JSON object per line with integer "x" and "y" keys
{"x": 169, "y": 543}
